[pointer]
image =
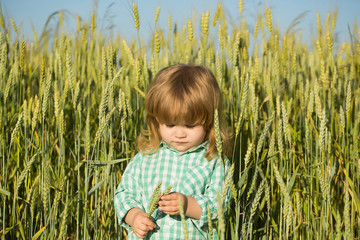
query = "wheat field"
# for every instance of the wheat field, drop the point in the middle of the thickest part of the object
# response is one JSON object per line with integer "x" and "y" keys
{"x": 72, "y": 105}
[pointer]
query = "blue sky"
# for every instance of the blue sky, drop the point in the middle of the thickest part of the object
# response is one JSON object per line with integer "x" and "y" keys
{"x": 117, "y": 13}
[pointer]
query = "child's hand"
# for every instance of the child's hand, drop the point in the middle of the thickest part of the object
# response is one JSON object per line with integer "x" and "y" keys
{"x": 139, "y": 222}
{"x": 169, "y": 204}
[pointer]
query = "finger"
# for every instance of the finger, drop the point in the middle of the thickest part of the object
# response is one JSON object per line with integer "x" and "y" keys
{"x": 169, "y": 203}
{"x": 165, "y": 203}
{"x": 171, "y": 196}
{"x": 148, "y": 222}
{"x": 169, "y": 210}
{"x": 150, "y": 225}
{"x": 140, "y": 234}
{"x": 143, "y": 228}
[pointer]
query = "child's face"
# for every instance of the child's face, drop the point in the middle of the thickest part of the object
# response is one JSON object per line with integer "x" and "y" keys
{"x": 182, "y": 137}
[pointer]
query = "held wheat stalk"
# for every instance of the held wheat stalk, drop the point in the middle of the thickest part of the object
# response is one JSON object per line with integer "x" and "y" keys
{"x": 155, "y": 198}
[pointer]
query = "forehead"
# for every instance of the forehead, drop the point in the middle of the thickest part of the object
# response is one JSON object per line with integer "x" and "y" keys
{"x": 181, "y": 112}
{"x": 180, "y": 119}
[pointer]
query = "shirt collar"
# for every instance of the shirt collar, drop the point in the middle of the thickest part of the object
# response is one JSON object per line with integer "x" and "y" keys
{"x": 202, "y": 146}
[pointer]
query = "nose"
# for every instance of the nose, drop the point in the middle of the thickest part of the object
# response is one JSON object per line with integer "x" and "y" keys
{"x": 180, "y": 132}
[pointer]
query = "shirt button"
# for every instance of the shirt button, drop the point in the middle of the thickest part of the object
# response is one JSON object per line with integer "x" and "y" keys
{"x": 171, "y": 223}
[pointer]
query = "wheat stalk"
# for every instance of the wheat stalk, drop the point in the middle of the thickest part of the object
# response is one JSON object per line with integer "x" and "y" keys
{"x": 35, "y": 196}
{"x": 218, "y": 139}
{"x": 16, "y": 129}
{"x": 268, "y": 19}
{"x": 262, "y": 136}
{"x": 157, "y": 14}
{"x": 46, "y": 95}
{"x": 69, "y": 71}
{"x": 24, "y": 173}
{"x": 279, "y": 134}
{"x": 183, "y": 221}
{"x": 169, "y": 23}
{"x": 14, "y": 26}
{"x": 8, "y": 86}
{"x": 103, "y": 125}
{"x": 217, "y": 14}
{"x": 190, "y": 32}
{"x": 93, "y": 22}
{"x": 248, "y": 155}
{"x": 241, "y": 7}
{"x": 271, "y": 151}
{"x": 253, "y": 183}
{"x": 323, "y": 185}
{"x": 220, "y": 212}
{"x": 87, "y": 135}
{"x": 285, "y": 118}
{"x": 333, "y": 22}
{"x": 338, "y": 226}
{"x": 342, "y": 121}
{"x": 205, "y": 23}
{"x": 347, "y": 218}
{"x": 136, "y": 17}
{"x": 287, "y": 203}
{"x": 228, "y": 183}
{"x": 56, "y": 105}
{"x": 22, "y": 54}
{"x": 76, "y": 95}
{"x": 155, "y": 198}
{"x": 256, "y": 201}
{"x": 59, "y": 192}
{"x": 323, "y": 129}
{"x": 154, "y": 201}
{"x": 62, "y": 125}
{"x": 35, "y": 113}
{"x": 348, "y": 101}
{"x": 63, "y": 223}
{"x": 45, "y": 193}
{"x": 210, "y": 229}
{"x": 157, "y": 42}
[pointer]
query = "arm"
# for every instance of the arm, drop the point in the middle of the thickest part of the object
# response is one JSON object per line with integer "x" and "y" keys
{"x": 129, "y": 192}
{"x": 207, "y": 197}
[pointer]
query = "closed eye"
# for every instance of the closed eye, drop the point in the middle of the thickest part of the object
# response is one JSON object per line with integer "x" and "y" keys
{"x": 191, "y": 126}
{"x": 170, "y": 125}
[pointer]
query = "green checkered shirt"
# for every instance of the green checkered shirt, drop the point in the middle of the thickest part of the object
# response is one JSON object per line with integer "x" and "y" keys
{"x": 189, "y": 173}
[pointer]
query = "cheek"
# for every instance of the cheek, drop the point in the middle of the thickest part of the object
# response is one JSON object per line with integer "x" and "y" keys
{"x": 201, "y": 134}
{"x": 164, "y": 132}
{"x": 161, "y": 132}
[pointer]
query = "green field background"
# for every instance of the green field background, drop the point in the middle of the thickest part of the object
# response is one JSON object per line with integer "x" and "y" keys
{"x": 72, "y": 105}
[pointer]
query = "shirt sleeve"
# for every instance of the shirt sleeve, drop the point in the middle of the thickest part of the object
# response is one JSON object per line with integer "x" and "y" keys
{"x": 128, "y": 193}
{"x": 208, "y": 200}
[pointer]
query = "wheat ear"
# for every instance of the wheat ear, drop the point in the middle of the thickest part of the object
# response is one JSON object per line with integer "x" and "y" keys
{"x": 16, "y": 129}
{"x": 155, "y": 198}
{"x": 24, "y": 173}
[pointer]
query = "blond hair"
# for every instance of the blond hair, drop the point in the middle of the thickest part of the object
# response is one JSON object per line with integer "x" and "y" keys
{"x": 181, "y": 94}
